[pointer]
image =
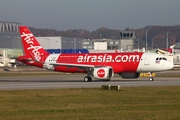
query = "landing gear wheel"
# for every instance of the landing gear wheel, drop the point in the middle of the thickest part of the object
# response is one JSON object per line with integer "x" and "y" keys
{"x": 151, "y": 79}
{"x": 150, "y": 76}
{"x": 87, "y": 79}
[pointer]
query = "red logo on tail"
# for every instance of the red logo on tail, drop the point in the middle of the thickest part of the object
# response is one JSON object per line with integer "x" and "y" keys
{"x": 35, "y": 49}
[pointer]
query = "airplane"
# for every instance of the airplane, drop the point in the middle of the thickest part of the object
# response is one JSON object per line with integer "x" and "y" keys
{"x": 101, "y": 66}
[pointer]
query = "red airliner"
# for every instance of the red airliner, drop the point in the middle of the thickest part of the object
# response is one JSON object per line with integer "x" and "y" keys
{"x": 98, "y": 65}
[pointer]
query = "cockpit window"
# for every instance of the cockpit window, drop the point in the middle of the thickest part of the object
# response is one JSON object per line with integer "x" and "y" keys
{"x": 161, "y": 58}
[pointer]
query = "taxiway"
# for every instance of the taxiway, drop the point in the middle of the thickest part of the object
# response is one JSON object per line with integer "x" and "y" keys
{"x": 76, "y": 81}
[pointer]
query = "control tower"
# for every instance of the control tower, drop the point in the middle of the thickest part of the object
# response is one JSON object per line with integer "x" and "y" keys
{"x": 127, "y": 40}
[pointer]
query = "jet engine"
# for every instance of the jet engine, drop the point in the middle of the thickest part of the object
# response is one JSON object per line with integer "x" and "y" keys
{"x": 105, "y": 73}
{"x": 129, "y": 75}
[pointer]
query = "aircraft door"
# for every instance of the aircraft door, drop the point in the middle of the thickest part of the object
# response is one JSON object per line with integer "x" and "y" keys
{"x": 146, "y": 59}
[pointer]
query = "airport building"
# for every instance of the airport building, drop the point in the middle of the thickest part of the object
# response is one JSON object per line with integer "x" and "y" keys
{"x": 124, "y": 43}
{"x": 10, "y": 43}
{"x": 9, "y": 35}
{"x": 10, "y": 40}
{"x": 60, "y": 42}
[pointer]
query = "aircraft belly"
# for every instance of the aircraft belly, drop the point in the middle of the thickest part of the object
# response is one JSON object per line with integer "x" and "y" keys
{"x": 68, "y": 69}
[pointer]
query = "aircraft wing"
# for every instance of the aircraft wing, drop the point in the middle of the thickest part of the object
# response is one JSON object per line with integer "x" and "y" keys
{"x": 73, "y": 65}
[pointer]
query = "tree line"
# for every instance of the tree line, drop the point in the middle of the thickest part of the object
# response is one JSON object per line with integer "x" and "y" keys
{"x": 156, "y": 35}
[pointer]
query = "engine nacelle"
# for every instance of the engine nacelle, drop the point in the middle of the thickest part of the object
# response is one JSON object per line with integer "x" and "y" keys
{"x": 103, "y": 73}
{"x": 129, "y": 75}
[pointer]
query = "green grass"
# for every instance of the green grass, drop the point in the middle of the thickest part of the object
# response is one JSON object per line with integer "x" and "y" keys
{"x": 130, "y": 103}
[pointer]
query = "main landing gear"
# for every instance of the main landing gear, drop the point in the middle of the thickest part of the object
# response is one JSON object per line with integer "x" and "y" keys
{"x": 87, "y": 79}
{"x": 150, "y": 76}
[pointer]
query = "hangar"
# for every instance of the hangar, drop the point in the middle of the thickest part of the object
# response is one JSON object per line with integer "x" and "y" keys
{"x": 9, "y": 35}
{"x": 10, "y": 44}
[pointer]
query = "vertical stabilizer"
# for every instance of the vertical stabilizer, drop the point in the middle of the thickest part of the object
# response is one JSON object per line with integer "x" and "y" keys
{"x": 31, "y": 46}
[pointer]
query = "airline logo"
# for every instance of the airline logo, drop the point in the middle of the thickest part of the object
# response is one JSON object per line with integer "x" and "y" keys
{"x": 108, "y": 58}
{"x": 34, "y": 49}
{"x": 101, "y": 73}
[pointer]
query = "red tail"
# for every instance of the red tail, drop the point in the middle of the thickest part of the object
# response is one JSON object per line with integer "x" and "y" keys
{"x": 31, "y": 46}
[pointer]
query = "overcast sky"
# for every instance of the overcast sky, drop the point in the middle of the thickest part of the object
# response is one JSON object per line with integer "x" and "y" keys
{"x": 91, "y": 14}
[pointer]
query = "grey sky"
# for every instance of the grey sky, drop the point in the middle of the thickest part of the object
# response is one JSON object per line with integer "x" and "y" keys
{"x": 91, "y": 14}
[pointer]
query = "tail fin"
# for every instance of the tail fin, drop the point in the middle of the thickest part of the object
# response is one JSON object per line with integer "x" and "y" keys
{"x": 31, "y": 46}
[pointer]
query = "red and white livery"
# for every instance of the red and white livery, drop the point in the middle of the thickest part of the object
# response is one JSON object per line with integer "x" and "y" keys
{"x": 98, "y": 65}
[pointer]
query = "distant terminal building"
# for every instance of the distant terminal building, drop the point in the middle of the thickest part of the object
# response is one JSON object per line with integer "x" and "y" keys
{"x": 10, "y": 44}
{"x": 10, "y": 39}
{"x": 9, "y": 35}
{"x": 62, "y": 44}
{"x": 124, "y": 43}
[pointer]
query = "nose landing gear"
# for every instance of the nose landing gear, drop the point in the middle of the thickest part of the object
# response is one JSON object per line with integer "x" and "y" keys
{"x": 150, "y": 76}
